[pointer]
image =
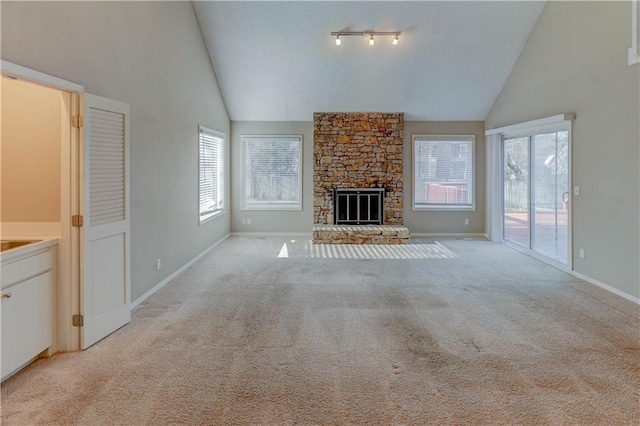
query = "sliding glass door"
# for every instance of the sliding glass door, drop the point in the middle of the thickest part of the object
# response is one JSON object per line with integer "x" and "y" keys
{"x": 516, "y": 190}
{"x": 536, "y": 193}
{"x": 550, "y": 162}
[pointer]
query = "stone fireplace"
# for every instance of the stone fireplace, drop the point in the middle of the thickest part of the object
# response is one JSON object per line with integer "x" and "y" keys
{"x": 357, "y": 156}
{"x": 357, "y": 151}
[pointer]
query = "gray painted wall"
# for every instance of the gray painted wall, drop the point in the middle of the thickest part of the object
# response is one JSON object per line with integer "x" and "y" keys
{"x": 576, "y": 61}
{"x": 436, "y": 222}
{"x": 152, "y": 56}
{"x": 272, "y": 221}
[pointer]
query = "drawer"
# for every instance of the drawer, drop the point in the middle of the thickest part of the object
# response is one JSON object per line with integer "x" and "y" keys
{"x": 19, "y": 270}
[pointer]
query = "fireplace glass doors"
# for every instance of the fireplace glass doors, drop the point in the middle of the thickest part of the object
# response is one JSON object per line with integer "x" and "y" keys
{"x": 358, "y": 206}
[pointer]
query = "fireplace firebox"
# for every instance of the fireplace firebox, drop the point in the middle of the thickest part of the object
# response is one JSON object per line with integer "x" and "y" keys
{"x": 358, "y": 206}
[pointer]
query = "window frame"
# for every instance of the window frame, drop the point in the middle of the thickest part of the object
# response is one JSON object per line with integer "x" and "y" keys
{"x": 634, "y": 50}
{"x": 202, "y": 219}
{"x": 271, "y": 207}
{"x": 415, "y": 139}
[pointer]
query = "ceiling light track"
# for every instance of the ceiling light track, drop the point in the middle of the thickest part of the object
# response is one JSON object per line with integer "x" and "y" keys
{"x": 371, "y": 34}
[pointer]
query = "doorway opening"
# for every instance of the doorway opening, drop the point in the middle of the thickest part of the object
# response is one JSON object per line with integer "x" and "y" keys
{"x": 38, "y": 151}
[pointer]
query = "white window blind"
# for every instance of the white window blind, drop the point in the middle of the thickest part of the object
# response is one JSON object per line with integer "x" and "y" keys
{"x": 211, "y": 165}
{"x": 443, "y": 172}
{"x": 272, "y": 178}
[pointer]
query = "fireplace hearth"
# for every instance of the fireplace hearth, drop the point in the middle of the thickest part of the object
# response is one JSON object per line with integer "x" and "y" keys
{"x": 358, "y": 206}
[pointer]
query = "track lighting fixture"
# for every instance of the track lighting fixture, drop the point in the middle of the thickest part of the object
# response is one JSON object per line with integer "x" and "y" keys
{"x": 371, "y": 34}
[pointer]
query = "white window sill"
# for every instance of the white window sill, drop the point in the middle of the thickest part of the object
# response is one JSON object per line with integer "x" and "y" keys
{"x": 443, "y": 209}
{"x": 273, "y": 208}
{"x": 212, "y": 216}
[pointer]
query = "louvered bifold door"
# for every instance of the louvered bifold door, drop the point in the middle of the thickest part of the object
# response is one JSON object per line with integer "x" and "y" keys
{"x": 106, "y": 273}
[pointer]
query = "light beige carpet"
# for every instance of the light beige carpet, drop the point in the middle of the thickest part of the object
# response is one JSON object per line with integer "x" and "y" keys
{"x": 269, "y": 331}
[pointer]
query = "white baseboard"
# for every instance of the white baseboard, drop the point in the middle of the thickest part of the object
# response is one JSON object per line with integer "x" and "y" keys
{"x": 31, "y": 229}
{"x": 566, "y": 269}
{"x": 448, "y": 235}
{"x": 164, "y": 282}
{"x": 298, "y": 235}
{"x": 607, "y": 287}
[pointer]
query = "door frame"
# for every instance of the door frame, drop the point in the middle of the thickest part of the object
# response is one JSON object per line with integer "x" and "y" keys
{"x": 67, "y": 297}
{"x": 495, "y": 169}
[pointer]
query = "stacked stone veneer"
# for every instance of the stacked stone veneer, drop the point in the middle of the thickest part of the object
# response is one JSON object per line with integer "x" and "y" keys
{"x": 366, "y": 234}
{"x": 357, "y": 150}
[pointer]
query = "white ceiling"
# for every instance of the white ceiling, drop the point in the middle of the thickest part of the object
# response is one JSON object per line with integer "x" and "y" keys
{"x": 276, "y": 61}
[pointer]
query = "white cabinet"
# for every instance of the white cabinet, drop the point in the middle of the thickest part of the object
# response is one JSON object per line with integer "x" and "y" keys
{"x": 27, "y": 307}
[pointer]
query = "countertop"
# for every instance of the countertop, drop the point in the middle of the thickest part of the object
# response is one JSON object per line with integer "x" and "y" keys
{"x": 12, "y": 254}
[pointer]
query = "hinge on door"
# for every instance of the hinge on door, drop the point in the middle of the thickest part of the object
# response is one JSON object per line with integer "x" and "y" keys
{"x": 77, "y": 221}
{"x": 77, "y": 320}
{"x": 77, "y": 121}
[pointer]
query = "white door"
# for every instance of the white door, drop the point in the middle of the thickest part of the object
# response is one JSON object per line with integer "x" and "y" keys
{"x": 106, "y": 288}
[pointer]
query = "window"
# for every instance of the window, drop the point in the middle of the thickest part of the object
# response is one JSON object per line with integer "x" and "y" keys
{"x": 211, "y": 166}
{"x": 443, "y": 168}
{"x": 271, "y": 175}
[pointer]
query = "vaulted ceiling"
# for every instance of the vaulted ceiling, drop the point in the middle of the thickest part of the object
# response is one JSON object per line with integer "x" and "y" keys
{"x": 276, "y": 61}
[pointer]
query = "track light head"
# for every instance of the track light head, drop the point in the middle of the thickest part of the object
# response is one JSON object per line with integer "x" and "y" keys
{"x": 396, "y": 39}
{"x": 338, "y": 41}
{"x": 371, "y": 40}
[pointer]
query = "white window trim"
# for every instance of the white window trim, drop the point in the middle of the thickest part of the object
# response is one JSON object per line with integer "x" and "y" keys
{"x": 530, "y": 126}
{"x": 271, "y": 207}
{"x": 634, "y": 50}
{"x": 452, "y": 208}
{"x": 223, "y": 210}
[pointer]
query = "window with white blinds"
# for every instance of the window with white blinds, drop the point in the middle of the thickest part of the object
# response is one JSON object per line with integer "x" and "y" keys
{"x": 271, "y": 172}
{"x": 443, "y": 172}
{"x": 211, "y": 165}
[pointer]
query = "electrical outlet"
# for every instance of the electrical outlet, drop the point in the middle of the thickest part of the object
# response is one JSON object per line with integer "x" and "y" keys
{"x": 158, "y": 264}
{"x": 244, "y": 221}
{"x": 576, "y": 190}
{"x": 248, "y": 221}
{"x": 466, "y": 221}
{"x": 581, "y": 253}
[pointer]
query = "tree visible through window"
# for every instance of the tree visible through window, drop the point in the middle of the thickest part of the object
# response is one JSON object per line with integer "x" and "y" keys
{"x": 443, "y": 172}
{"x": 211, "y": 171}
{"x": 272, "y": 172}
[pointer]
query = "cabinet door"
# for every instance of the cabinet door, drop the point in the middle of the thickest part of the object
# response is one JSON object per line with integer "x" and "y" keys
{"x": 26, "y": 321}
